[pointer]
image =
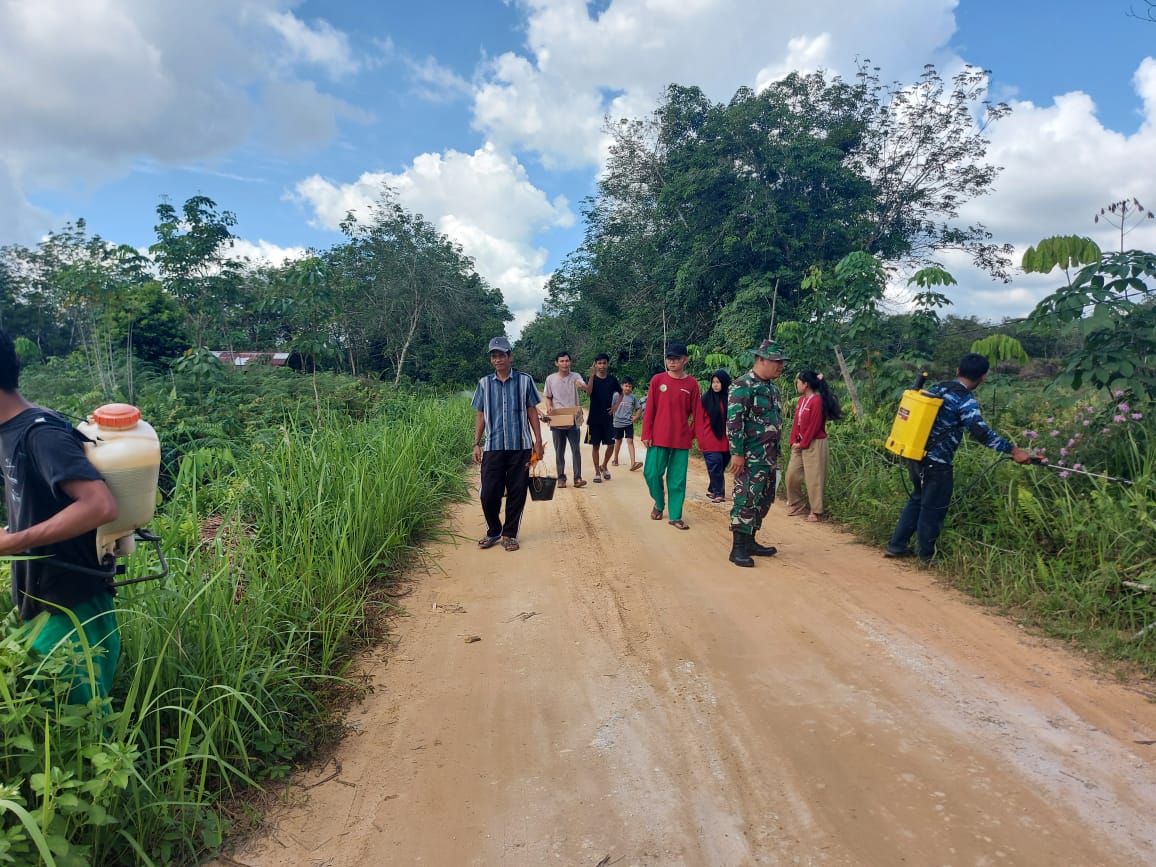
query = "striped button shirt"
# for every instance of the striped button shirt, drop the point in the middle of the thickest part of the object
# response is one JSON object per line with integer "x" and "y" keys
{"x": 504, "y": 405}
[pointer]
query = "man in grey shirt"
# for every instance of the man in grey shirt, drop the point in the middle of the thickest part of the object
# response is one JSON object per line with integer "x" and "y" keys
{"x": 562, "y": 392}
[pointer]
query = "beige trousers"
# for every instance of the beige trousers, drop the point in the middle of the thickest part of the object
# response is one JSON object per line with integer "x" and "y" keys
{"x": 808, "y": 466}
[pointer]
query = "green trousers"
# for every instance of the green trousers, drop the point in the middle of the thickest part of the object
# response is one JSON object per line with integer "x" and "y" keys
{"x": 55, "y": 633}
{"x": 669, "y": 463}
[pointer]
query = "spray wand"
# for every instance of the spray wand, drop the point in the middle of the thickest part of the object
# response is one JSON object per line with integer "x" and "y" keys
{"x": 1041, "y": 462}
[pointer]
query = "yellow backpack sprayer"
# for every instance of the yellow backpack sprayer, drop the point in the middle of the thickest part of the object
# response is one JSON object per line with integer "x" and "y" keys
{"x": 913, "y": 421}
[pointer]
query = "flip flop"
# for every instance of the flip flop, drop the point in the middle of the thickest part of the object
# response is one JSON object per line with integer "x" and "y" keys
{"x": 656, "y": 514}
{"x": 680, "y": 524}
{"x": 636, "y": 465}
{"x": 510, "y": 544}
{"x": 489, "y": 542}
{"x": 796, "y": 510}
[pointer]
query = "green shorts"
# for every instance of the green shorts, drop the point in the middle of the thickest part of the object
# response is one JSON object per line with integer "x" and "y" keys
{"x": 97, "y": 618}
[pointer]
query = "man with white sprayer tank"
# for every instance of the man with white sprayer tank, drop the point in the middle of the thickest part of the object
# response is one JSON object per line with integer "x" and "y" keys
{"x": 56, "y": 501}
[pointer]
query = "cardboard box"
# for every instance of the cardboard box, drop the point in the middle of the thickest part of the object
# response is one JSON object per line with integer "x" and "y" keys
{"x": 562, "y": 417}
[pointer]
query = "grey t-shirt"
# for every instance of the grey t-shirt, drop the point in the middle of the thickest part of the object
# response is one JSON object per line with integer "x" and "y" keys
{"x": 626, "y": 409}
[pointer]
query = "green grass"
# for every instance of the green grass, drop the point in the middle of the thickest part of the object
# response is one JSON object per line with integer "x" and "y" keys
{"x": 223, "y": 664}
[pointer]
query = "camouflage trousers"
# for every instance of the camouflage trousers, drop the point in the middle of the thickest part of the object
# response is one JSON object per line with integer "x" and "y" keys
{"x": 753, "y": 495}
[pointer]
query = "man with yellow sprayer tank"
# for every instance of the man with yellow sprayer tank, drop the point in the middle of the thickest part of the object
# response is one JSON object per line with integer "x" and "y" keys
{"x": 932, "y": 477}
{"x": 56, "y": 500}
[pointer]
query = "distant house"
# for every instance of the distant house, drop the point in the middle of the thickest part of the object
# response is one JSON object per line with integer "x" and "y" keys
{"x": 240, "y": 359}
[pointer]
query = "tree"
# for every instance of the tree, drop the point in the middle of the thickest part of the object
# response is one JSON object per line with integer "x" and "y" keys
{"x": 190, "y": 255}
{"x": 1112, "y": 301}
{"x": 925, "y": 152}
{"x": 402, "y": 288}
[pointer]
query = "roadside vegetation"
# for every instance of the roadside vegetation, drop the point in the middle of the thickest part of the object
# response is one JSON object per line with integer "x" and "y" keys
{"x": 291, "y": 496}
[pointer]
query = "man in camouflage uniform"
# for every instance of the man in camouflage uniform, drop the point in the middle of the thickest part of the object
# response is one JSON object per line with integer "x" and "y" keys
{"x": 754, "y": 427}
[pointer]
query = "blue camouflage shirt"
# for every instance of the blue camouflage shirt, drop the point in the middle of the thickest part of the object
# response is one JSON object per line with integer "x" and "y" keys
{"x": 959, "y": 414}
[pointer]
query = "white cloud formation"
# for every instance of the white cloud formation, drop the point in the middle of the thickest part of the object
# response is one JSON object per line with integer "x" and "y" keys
{"x": 484, "y": 201}
{"x": 90, "y": 87}
{"x": 320, "y": 44}
{"x": 265, "y": 252}
{"x": 1060, "y": 166}
{"x": 577, "y": 69}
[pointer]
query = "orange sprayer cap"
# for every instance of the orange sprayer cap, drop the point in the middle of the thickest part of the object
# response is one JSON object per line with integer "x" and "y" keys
{"x": 116, "y": 415}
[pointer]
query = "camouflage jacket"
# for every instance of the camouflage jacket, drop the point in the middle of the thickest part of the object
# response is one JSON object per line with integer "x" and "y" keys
{"x": 755, "y": 419}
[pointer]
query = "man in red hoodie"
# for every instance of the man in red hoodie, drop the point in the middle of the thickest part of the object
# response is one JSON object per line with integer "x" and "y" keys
{"x": 672, "y": 404}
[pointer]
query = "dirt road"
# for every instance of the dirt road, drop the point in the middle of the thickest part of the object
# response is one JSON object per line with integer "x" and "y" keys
{"x": 634, "y": 699}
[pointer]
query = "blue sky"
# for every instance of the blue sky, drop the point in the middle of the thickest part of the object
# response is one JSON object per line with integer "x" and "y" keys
{"x": 486, "y": 115}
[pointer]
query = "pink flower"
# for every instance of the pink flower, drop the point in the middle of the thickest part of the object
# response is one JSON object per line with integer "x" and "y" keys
{"x": 1050, "y": 420}
{"x": 1064, "y": 474}
{"x": 1063, "y": 453}
{"x": 1055, "y": 433}
{"x": 1123, "y": 407}
{"x": 1117, "y": 419}
{"x": 1071, "y": 442}
{"x": 1105, "y": 430}
{"x": 1031, "y": 434}
{"x": 1077, "y": 466}
{"x": 1087, "y": 422}
{"x": 1119, "y": 392}
{"x": 1137, "y": 415}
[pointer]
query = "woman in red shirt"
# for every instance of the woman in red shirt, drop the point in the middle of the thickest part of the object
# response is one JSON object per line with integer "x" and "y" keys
{"x": 710, "y": 429}
{"x": 809, "y": 444}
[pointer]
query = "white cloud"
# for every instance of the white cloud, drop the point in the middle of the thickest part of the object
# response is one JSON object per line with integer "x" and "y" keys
{"x": 90, "y": 88}
{"x": 484, "y": 201}
{"x": 551, "y": 100}
{"x": 264, "y": 252}
{"x": 1060, "y": 166}
{"x": 320, "y": 44}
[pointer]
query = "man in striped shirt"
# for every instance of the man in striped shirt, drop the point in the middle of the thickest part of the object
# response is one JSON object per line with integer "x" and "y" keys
{"x": 506, "y": 432}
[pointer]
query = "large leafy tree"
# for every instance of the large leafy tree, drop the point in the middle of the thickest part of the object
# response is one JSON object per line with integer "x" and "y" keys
{"x": 191, "y": 254}
{"x": 709, "y": 217}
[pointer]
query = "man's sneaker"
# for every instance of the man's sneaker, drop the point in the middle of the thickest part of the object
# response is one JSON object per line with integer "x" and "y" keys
{"x": 898, "y": 555}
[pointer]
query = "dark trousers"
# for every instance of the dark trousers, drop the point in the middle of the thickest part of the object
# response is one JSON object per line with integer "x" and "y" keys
{"x": 562, "y": 436}
{"x": 506, "y": 472}
{"x": 926, "y": 509}
{"x": 716, "y": 464}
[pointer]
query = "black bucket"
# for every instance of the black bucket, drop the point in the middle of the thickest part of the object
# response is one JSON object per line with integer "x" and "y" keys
{"x": 542, "y": 487}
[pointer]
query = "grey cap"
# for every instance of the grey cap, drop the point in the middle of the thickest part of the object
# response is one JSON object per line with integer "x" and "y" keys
{"x": 501, "y": 344}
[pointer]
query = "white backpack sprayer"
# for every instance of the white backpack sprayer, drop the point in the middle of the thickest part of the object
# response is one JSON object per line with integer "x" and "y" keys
{"x": 127, "y": 453}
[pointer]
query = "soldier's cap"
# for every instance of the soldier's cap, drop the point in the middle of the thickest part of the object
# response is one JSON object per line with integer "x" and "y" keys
{"x": 676, "y": 350}
{"x": 500, "y": 344}
{"x": 771, "y": 351}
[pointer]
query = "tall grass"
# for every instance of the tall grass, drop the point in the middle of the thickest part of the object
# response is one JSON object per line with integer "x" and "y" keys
{"x": 275, "y": 544}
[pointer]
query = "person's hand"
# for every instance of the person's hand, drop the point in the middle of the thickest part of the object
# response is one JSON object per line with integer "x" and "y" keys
{"x": 540, "y": 449}
{"x": 7, "y": 546}
{"x": 477, "y": 454}
{"x": 646, "y": 443}
{"x": 738, "y": 464}
{"x": 1021, "y": 456}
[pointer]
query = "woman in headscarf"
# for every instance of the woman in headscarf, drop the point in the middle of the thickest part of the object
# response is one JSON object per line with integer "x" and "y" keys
{"x": 710, "y": 431}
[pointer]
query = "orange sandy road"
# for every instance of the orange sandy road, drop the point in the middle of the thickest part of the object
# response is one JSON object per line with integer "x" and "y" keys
{"x": 635, "y": 697}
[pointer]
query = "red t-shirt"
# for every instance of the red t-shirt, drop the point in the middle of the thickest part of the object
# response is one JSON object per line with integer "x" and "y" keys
{"x": 672, "y": 405}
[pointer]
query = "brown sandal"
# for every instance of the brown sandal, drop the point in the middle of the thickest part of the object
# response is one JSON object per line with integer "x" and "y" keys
{"x": 679, "y": 524}
{"x": 796, "y": 510}
{"x": 656, "y": 514}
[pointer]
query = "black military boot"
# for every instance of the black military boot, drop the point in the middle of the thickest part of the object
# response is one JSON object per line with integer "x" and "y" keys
{"x": 753, "y": 547}
{"x": 740, "y": 555}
